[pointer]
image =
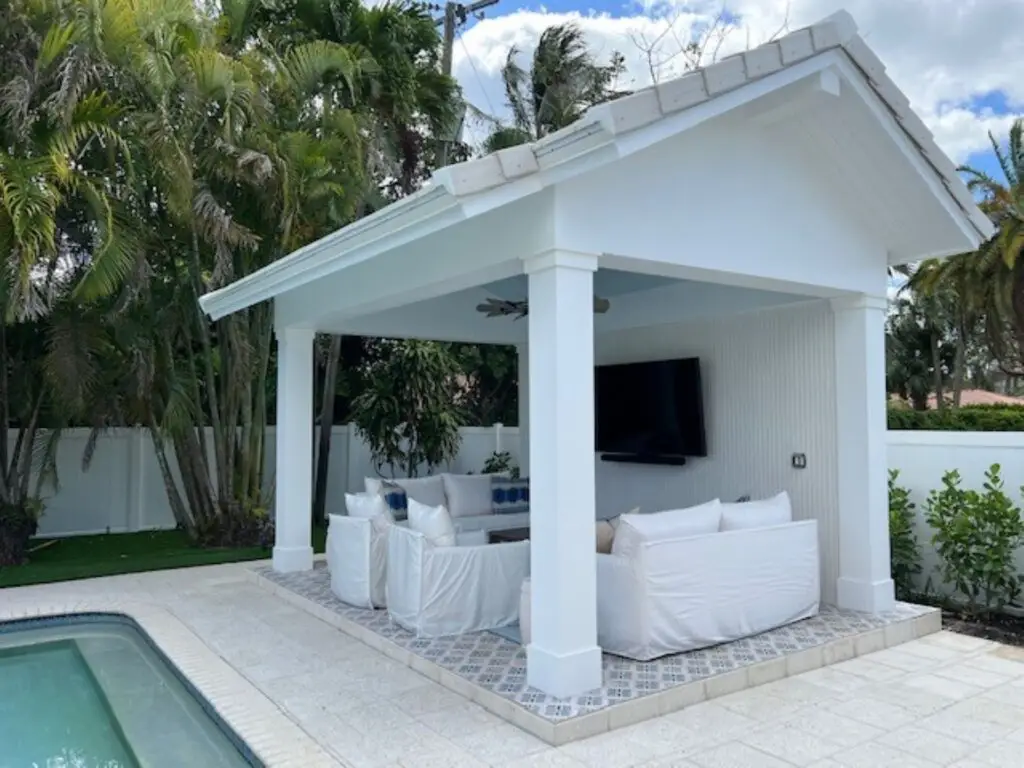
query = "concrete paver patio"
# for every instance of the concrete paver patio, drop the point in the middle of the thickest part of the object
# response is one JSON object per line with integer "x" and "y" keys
{"x": 945, "y": 700}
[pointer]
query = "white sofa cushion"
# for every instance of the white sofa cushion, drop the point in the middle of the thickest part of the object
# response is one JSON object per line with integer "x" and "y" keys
{"x": 468, "y": 495}
{"x": 433, "y": 522}
{"x": 635, "y": 529}
{"x": 762, "y": 513}
{"x": 604, "y": 533}
{"x": 426, "y": 490}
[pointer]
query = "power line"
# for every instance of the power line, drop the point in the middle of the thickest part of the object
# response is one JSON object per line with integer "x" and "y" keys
{"x": 455, "y": 15}
{"x": 476, "y": 74}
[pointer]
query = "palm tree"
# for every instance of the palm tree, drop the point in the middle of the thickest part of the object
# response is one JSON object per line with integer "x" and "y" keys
{"x": 996, "y": 268}
{"x": 65, "y": 232}
{"x": 564, "y": 80}
{"x": 959, "y": 297}
{"x": 406, "y": 101}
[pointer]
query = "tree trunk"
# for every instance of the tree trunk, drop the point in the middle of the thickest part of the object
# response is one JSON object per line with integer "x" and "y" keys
{"x": 959, "y": 362}
{"x": 326, "y": 422}
{"x": 1017, "y": 300}
{"x": 940, "y": 402}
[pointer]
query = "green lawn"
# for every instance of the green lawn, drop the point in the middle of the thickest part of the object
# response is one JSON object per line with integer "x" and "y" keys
{"x": 82, "y": 557}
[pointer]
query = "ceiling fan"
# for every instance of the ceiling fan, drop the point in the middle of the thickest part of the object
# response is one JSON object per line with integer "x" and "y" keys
{"x": 520, "y": 309}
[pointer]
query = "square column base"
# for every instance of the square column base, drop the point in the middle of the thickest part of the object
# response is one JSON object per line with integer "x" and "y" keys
{"x": 566, "y": 675}
{"x": 291, "y": 559}
{"x": 869, "y": 597}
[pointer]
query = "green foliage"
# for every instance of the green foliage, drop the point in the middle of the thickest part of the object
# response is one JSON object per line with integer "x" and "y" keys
{"x": 408, "y": 413}
{"x": 976, "y": 536}
{"x": 563, "y": 81}
{"x": 500, "y": 463}
{"x": 972, "y": 418}
{"x": 153, "y": 151}
{"x": 917, "y": 360}
{"x": 904, "y": 550}
{"x": 491, "y": 394}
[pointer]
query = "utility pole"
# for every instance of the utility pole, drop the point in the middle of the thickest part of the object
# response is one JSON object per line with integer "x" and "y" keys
{"x": 455, "y": 15}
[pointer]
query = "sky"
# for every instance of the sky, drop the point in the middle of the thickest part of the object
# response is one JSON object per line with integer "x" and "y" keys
{"x": 960, "y": 62}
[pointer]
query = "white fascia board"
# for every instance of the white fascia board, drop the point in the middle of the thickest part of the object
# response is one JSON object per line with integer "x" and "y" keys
{"x": 416, "y": 215}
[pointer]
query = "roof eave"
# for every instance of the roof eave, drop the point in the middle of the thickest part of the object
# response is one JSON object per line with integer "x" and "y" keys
{"x": 320, "y": 257}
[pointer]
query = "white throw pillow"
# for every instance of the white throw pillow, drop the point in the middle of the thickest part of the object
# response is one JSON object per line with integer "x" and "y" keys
{"x": 604, "y": 533}
{"x": 762, "y": 513}
{"x": 426, "y": 490}
{"x": 468, "y": 495}
{"x": 365, "y": 505}
{"x": 606, "y": 530}
{"x": 433, "y": 522}
{"x": 634, "y": 530}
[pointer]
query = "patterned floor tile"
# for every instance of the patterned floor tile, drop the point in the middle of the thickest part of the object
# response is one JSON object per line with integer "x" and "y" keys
{"x": 499, "y": 665}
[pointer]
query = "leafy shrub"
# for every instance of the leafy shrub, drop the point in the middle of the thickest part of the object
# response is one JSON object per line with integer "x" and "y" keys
{"x": 500, "y": 462}
{"x": 237, "y": 525}
{"x": 972, "y": 418}
{"x": 408, "y": 412}
{"x": 904, "y": 549}
{"x": 976, "y": 534}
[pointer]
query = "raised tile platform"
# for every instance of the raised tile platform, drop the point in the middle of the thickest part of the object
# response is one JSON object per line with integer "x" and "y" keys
{"x": 491, "y": 670}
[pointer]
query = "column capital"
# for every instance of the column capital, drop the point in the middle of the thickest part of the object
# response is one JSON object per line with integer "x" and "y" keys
{"x": 539, "y": 262}
{"x": 858, "y": 302}
{"x": 296, "y": 332}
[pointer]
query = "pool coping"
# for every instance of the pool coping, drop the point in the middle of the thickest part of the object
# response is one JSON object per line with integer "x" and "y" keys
{"x": 272, "y": 736}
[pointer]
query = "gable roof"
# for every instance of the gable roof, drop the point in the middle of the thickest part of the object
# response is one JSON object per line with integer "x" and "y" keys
{"x": 452, "y": 186}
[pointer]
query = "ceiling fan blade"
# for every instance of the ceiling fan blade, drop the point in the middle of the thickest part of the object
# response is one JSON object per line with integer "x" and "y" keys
{"x": 519, "y": 309}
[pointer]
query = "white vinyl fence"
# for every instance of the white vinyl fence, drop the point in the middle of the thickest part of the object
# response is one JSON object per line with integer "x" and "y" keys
{"x": 123, "y": 491}
{"x": 922, "y": 458}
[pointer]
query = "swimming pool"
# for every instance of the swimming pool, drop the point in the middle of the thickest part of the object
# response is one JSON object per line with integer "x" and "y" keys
{"x": 93, "y": 691}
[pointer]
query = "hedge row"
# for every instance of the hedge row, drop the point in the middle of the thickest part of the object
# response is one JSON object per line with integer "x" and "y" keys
{"x": 971, "y": 418}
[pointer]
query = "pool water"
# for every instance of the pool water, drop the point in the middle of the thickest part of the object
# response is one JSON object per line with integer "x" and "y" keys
{"x": 93, "y": 692}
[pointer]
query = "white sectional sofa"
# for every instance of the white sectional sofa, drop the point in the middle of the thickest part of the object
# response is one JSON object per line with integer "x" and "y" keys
{"x": 666, "y": 589}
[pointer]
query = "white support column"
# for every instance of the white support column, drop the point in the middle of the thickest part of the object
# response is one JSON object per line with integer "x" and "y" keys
{"x": 524, "y": 409}
{"x": 293, "y": 503}
{"x": 865, "y": 582}
{"x": 563, "y": 658}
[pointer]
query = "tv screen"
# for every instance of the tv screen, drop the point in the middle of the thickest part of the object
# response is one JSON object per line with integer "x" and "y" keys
{"x": 650, "y": 409}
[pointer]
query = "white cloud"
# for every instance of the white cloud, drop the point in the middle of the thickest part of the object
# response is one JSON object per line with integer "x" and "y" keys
{"x": 942, "y": 53}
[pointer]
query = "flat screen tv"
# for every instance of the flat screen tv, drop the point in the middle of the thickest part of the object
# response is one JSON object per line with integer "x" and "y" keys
{"x": 650, "y": 410}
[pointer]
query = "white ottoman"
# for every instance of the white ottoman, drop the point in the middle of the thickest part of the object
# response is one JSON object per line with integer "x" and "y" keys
{"x": 524, "y": 612}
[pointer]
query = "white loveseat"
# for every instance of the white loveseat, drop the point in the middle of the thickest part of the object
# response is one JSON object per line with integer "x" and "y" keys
{"x": 357, "y": 553}
{"x": 357, "y": 559}
{"x": 661, "y": 593}
{"x": 436, "y": 591}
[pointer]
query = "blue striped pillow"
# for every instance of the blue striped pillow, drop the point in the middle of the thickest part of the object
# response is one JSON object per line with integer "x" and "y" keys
{"x": 396, "y": 499}
{"x": 509, "y": 496}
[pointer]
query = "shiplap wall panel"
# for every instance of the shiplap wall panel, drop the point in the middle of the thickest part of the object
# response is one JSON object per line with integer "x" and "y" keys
{"x": 769, "y": 392}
